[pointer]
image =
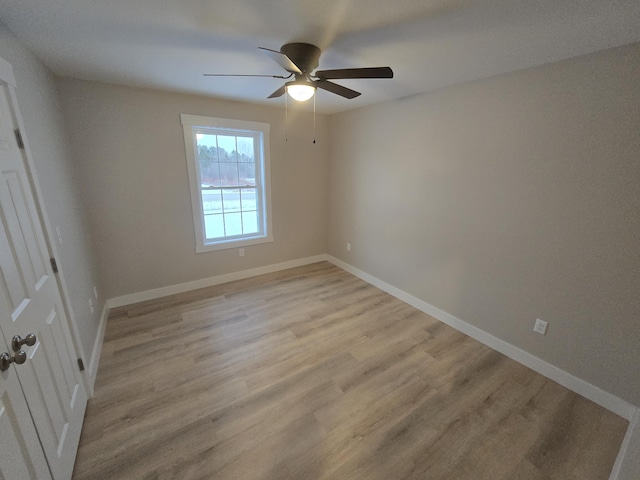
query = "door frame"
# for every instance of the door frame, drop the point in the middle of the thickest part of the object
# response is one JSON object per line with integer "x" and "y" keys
{"x": 7, "y": 76}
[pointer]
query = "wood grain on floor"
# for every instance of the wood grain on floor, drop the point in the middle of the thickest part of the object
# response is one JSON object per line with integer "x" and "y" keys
{"x": 310, "y": 374}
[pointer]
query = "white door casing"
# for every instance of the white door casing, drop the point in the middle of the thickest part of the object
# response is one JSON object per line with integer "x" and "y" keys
{"x": 30, "y": 302}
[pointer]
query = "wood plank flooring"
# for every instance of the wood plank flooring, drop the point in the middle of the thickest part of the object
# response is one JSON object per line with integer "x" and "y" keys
{"x": 310, "y": 374}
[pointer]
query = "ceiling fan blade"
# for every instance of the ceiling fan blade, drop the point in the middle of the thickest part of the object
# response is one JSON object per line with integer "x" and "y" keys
{"x": 282, "y": 60}
{"x": 278, "y": 93}
{"x": 342, "y": 73}
{"x": 337, "y": 89}
{"x": 242, "y": 75}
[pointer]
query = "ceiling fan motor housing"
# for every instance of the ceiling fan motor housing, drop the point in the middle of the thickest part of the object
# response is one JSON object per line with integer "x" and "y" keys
{"x": 304, "y": 55}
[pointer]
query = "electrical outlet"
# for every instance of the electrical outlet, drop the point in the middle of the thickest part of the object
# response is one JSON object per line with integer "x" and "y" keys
{"x": 540, "y": 327}
{"x": 95, "y": 292}
{"x": 59, "y": 235}
{"x": 241, "y": 252}
{"x": 91, "y": 305}
{"x": 348, "y": 247}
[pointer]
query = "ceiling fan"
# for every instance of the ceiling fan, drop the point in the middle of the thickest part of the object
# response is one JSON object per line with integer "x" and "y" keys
{"x": 300, "y": 60}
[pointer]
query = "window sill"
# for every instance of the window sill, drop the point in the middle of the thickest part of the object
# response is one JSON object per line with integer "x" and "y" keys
{"x": 239, "y": 243}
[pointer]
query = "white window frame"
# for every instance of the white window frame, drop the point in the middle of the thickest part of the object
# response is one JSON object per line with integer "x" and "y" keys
{"x": 191, "y": 124}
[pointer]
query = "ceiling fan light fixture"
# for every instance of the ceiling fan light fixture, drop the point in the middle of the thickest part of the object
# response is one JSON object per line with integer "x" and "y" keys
{"x": 300, "y": 91}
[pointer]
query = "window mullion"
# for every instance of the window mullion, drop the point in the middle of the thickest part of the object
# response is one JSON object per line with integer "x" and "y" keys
{"x": 224, "y": 224}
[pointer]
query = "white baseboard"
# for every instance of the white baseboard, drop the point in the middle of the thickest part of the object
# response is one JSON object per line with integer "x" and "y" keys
{"x": 210, "y": 282}
{"x": 627, "y": 466}
{"x": 575, "y": 384}
{"x": 97, "y": 349}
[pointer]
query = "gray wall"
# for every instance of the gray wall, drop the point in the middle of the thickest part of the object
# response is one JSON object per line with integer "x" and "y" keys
{"x": 38, "y": 102}
{"x": 128, "y": 144}
{"x": 506, "y": 200}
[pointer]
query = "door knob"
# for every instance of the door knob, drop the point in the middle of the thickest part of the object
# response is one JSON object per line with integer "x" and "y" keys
{"x": 6, "y": 360}
{"x": 17, "y": 341}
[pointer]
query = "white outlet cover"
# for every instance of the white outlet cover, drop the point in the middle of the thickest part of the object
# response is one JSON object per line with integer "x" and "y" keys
{"x": 540, "y": 327}
{"x": 59, "y": 235}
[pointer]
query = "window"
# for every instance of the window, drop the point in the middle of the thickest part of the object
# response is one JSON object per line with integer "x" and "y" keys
{"x": 228, "y": 162}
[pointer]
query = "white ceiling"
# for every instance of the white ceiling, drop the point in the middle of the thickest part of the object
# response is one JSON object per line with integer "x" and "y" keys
{"x": 169, "y": 44}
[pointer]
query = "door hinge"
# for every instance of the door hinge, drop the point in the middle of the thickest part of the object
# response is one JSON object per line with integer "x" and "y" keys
{"x": 19, "y": 139}
{"x": 81, "y": 364}
{"x": 54, "y": 265}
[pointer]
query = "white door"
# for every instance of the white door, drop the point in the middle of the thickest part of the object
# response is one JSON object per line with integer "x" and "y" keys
{"x": 21, "y": 455}
{"x": 30, "y": 303}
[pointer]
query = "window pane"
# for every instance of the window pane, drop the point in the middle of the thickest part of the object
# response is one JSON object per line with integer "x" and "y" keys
{"x": 211, "y": 201}
{"x": 231, "y": 199}
{"x": 233, "y": 224}
{"x": 247, "y": 174}
{"x": 245, "y": 150}
{"x": 250, "y": 222}
{"x": 248, "y": 201}
{"x": 213, "y": 226}
{"x": 227, "y": 151}
{"x": 207, "y": 140}
{"x": 229, "y": 174}
{"x": 210, "y": 176}
{"x": 208, "y": 159}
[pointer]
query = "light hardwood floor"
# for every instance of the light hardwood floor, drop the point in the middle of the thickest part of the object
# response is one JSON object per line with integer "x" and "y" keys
{"x": 311, "y": 374}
